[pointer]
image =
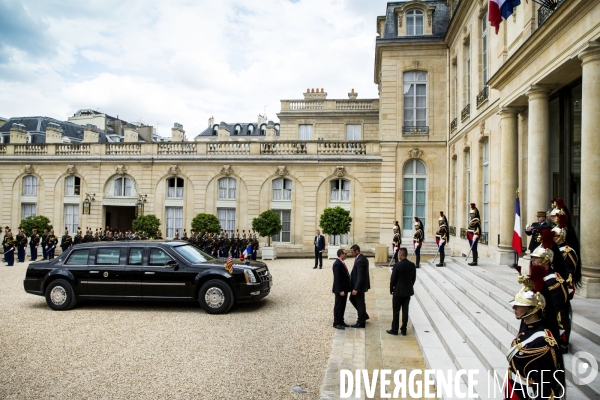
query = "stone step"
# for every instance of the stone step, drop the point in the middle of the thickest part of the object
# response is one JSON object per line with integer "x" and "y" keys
{"x": 497, "y": 322}
{"x": 505, "y": 278}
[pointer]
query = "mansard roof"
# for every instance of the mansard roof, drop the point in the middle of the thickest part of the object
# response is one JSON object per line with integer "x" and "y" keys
{"x": 36, "y": 126}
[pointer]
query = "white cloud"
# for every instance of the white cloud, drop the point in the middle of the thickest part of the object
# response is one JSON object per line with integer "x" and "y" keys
{"x": 167, "y": 62}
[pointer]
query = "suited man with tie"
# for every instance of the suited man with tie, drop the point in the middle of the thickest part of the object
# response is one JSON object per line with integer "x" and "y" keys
{"x": 404, "y": 275}
{"x": 360, "y": 284}
{"x": 341, "y": 289}
{"x": 319, "y": 248}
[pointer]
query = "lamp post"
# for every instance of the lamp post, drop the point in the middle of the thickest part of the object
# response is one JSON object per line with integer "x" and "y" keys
{"x": 139, "y": 206}
{"x": 87, "y": 203}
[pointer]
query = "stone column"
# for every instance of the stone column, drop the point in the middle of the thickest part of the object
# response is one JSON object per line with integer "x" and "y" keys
{"x": 538, "y": 151}
{"x": 509, "y": 182}
{"x": 590, "y": 165}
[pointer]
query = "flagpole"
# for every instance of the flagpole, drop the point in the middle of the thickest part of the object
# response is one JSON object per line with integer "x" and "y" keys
{"x": 517, "y": 254}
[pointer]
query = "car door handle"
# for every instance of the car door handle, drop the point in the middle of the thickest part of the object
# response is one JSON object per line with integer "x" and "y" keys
{"x": 94, "y": 272}
{"x": 149, "y": 273}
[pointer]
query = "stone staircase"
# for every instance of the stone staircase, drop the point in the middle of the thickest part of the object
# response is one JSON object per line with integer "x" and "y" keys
{"x": 429, "y": 247}
{"x": 462, "y": 319}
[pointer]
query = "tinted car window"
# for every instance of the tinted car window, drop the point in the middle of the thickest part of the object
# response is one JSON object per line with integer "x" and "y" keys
{"x": 192, "y": 254}
{"x": 135, "y": 257}
{"x": 108, "y": 256}
{"x": 158, "y": 257}
{"x": 78, "y": 257}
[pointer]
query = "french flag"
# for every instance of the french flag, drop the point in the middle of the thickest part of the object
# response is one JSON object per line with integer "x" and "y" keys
{"x": 516, "y": 241}
{"x": 499, "y": 9}
{"x": 248, "y": 251}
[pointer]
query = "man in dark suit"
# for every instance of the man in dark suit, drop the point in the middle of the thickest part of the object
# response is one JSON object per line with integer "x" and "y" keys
{"x": 360, "y": 284}
{"x": 534, "y": 229}
{"x": 341, "y": 288}
{"x": 319, "y": 248}
{"x": 402, "y": 281}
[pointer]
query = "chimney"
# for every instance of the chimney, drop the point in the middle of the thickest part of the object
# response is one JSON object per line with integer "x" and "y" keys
{"x": 177, "y": 133}
{"x": 211, "y": 122}
{"x": 352, "y": 95}
{"x": 271, "y": 132}
{"x": 315, "y": 94}
{"x": 90, "y": 134}
{"x": 18, "y": 134}
{"x": 131, "y": 134}
{"x": 53, "y": 133}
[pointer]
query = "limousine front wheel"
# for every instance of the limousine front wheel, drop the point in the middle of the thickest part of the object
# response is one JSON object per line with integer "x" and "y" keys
{"x": 215, "y": 297}
{"x": 60, "y": 295}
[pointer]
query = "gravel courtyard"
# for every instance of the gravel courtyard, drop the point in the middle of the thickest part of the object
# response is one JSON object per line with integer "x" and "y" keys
{"x": 135, "y": 350}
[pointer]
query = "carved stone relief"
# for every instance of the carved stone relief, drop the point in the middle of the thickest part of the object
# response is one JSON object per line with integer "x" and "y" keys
{"x": 71, "y": 169}
{"x": 227, "y": 170}
{"x": 174, "y": 170}
{"x": 340, "y": 171}
{"x": 121, "y": 169}
{"x": 415, "y": 152}
{"x": 29, "y": 169}
{"x": 282, "y": 170}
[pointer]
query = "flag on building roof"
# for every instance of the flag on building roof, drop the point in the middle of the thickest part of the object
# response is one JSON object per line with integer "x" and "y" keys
{"x": 229, "y": 264}
{"x": 516, "y": 240}
{"x": 499, "y": 9}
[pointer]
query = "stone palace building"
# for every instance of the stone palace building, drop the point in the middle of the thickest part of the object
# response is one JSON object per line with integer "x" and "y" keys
{"x": 464, "y": 115}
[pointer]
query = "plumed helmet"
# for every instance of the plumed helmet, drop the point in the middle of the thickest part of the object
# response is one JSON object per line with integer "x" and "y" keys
{"x": 418, "y": 223}
{"x": 543, "y": 250}
{"x": 474, "y": 211}
{"x": 529, "y": 298}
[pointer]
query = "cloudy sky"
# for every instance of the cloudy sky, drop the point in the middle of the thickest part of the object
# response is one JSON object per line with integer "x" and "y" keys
{"x": 161, "y": 62}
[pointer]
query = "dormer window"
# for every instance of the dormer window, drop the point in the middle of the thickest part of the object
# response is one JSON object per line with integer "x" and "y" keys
{"x": 277, "y": 128}
{"x": 414, "y": 23}
{"x": 250, "y": 129}
{"x": 215, "y": 130}
{"x": 263, "y": 129}
{"x": 237, "y": 130}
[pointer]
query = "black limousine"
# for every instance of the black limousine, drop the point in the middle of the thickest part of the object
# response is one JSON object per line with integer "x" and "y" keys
{"x": 146, "y": 270}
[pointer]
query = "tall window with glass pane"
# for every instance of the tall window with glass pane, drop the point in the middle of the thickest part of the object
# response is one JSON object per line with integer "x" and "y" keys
{"x": 286, "y": 231}
{"x": 484, "y": 49}
{"x": 175, "y": 187}
{"x": 227, "y": 187}
{"x": 414, "y": 193}
{"x": 72, "y": 186}
{"x": 468, "y": 183}
{"x": 340, "y": 190}
{"x": 227, "y": 219}
{"x": 28, "y": 210}
{"x": 123, "y": 187}
{"x": 414, "y": 23}
{"x": 72, "y": 217}
{"x": 455, "y": 207}
{"x": 467, "y": 74}
{"x": 305, "y": 132}
{"x": 174, "y": 221}
{"x": 282, "y": 189}
{"x": 486, "y": 186}
{"x": 415, "y": 98}
{"x": 30, "y": 185}
{"x": 455, "y": 93}
{"x": 353, "y": 132}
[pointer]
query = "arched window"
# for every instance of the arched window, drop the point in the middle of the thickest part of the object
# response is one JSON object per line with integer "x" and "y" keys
{"x": 414, "y": 23}
{"x": 263, "y": 129}
{"x": 414, "y": 193}
{"x": 340, "y": 190}
{"x": 282, "y": 189}
{"x": 30, "y": 184}
{"x": 215, "y": 130}
{"x": 415, "y": 98}
{"x": 250, "y": 129}
{"x": 237, "y": 130}
{"x": 175, "y": 187}
{"x": 72, "y": 186}
{"x": 227, "y": 187}
{"x": 123, "y": 187}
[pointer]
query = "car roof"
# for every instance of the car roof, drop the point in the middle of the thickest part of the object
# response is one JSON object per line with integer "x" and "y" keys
{"x": 132, "y": 243}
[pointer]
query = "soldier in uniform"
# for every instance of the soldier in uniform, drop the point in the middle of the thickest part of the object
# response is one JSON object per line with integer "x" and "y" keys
{"x": 442, "y": 237}
{"x": 51, "y": 243}
{"x": 45, "y": 244}
{"x": 535, "y": 362}
{"x": 78, "y": 237}
{"x": 66, "y": 241}
{"x": 533, "y": 230}
{"x": 34, "y": 242}
{"x": 558, "y": 214}
{"x": 176, "y": 234}
{"x": 184, "y": 236}
{"x": 158, "y": 235}
{"x": 88, "y": 235}
{"x": 474, "y": 231}
{"x": 9, "y": 247}
{"x": 418, "y": 238}
{"x": 21, "y": 245}
{"x": 396, "y": 240}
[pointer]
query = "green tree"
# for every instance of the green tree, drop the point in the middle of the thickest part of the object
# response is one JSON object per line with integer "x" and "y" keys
{"x": 267, "y": 224}
{"x": 146, "y": 223}
{"x": 335, "y": 221}
{"x": 39, "y": 221}
{"x": 203, "y": 223}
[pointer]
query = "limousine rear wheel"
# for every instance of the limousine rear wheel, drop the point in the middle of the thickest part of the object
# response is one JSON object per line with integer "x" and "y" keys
{"x": 60, "y": 295}
{"x": 215, "y": 297}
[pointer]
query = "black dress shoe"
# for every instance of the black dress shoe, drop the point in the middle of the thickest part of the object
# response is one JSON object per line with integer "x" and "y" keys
{"x": 357, "y": 325}
{"x": 339, "y": 327}
{"x": 391, "y": 332}
{"x": 439, "y": 265}
{"x": 403, "y": 332}
{"x": 346, "y": 325}
{"x": 321, "y": 267}
{"x": 472, "y": 263}
{"x": 418, "y": 266}
{"x": 367, "y": 317}
{"x": 315, "y": 268}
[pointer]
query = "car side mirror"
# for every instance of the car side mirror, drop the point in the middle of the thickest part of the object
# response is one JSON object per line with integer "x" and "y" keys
{"x": 172, "y": 263}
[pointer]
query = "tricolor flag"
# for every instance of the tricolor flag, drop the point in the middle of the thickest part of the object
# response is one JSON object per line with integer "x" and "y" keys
{"x": 229, "y": 264}
{"x": 516, "y": 241}
{"x": 499, "y": 9}
{"x": 248, "y": 251}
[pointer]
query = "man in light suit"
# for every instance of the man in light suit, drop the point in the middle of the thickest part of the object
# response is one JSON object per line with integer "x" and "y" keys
{"x": 341, "y": 288}
{"x": 404, "y": 275}
{"x": 360, "y": 284}
{"x": 319, "y": 248}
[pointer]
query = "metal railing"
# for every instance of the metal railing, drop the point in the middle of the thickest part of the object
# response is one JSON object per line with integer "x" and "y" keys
{"x": 483, "y": 239}
{"x": 453, "y": 124}
{"x": 544, "y": 12}
{"x": 463, "y": 233}
{"x": 482, "y": 96}
{"x": 415, "y": 130}
{"x": 465, "y": 113}
{"x": 452, "y": 230}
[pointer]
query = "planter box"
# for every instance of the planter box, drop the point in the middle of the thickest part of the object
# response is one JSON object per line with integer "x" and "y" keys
{"x": 269, "y": 253}
{"x": 332, "y": 251}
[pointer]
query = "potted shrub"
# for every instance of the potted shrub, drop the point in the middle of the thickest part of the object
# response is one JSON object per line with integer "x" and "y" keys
{"x": 203, "y": 223}
{"x": 335, "y": 221}
{"x": 39, "y": 222}
{"x": 146, "y": 223}
{"x": 267, "y": 224}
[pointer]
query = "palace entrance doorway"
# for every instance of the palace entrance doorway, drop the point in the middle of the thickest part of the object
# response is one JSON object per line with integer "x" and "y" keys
{"x": 119, "y": 217}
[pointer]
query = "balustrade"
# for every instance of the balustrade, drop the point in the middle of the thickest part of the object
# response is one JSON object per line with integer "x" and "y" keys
{"x": 121, "y": 149}
{"x": 307, "y": 105}
{"x": 2, "y": 149}
{"x": 353, "y": 105}
{"x": 228, "y": 148}
{"x": 72, "y": 149}
{"x": 31, "y": 149}
{"x": 342, "y": 148}
{"x": 283, "y": 148}
{"x": 177, "y": 148}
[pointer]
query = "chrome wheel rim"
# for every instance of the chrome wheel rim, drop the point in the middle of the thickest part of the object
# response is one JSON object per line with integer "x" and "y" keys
{"x": 58, "y": 295}
{"x": 214, "y": 297}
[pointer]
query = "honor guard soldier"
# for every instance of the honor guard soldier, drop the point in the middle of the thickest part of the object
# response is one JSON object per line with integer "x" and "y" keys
{"x": 396, "y": 241}
{"x": 555, "y": 288}
{"x": 9, "y": 246}
{"x": 561, "y": 212}
{"x": 184, "y": 236}
{"x": 51, "y": 243}
{"x": 158, "y": 235}
{"x": 66, "y": 241}
{"x": 533, "y": 230}
{"x": 45, "y": 244}
{"x": 474, "y": 231}
{"x": 78, "y": 237}
{"x": 176, "y": 234}
{"x": 418, "y": 238}
{"x": 21, "y": 245}
{"x": 565, "y": 255}
{"x": 88, "y": 235}
{"x": 535, "y": 362}
{"x": 34, "y": 242}
{"x": 441, "y": 237}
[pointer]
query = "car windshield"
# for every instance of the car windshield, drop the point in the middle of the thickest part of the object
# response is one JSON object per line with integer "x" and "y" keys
{"x": 192, "y": 254}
